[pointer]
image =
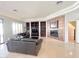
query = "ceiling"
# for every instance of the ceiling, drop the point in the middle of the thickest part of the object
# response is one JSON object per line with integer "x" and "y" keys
{"x": 31, "y": 9}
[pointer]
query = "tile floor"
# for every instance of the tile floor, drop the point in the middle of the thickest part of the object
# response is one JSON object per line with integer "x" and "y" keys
{"x": 50, "y": 48}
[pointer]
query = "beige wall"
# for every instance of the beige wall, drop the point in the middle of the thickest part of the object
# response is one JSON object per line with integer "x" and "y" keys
{"x": 60, "y": 29}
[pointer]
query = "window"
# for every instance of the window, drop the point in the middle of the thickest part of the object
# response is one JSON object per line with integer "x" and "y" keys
{"x": 1, "y": 31}
{"x": 21, "y": 27}
{"x": 17, "y": 28}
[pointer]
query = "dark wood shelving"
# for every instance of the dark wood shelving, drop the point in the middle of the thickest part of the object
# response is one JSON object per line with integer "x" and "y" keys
{"x": 34, "y": 29}
{"x": 27, "y": 26}
{"x": 43, "y": 29}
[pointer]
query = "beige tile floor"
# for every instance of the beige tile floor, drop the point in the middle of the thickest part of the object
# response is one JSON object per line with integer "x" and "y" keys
{"x": 50, "y": 48}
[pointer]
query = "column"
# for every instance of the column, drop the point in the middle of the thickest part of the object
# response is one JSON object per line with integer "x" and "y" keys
{"x": 46, "y": 29}
{"x": 39, "y": 30}
{"x": 66, "y": 31}
{"x": 77, "y": 31}
{"x": 30, "y": 28}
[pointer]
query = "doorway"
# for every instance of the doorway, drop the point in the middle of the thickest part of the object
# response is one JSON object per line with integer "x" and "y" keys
{"x": 72, "y": 31}
{"x": 1, "y": 31}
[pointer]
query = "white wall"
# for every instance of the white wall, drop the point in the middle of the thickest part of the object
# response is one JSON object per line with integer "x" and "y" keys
{"x": 7, "y": 27}
{"x": 77, "y": 31}
{"x": 48, "y": 28}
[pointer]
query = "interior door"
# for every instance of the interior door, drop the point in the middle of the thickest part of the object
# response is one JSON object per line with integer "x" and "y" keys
{"x": 1, "y": 31}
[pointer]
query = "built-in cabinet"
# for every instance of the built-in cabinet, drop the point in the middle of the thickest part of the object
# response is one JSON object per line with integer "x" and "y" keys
{"x": 43, "y": 29}
{"x": 27, "y": 26}
{"x": 38, "y": 29}
{"x": 35, "y": 30}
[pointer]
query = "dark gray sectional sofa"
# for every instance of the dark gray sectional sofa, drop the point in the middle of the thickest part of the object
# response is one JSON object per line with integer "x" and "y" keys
{"x": 26, "y": 45}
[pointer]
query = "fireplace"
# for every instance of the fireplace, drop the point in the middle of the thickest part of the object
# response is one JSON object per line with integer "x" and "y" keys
{"x": 54, "y": 33}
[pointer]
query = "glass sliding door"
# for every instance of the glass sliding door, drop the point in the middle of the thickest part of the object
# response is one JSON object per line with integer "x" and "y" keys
{"x": 1, "y": 31}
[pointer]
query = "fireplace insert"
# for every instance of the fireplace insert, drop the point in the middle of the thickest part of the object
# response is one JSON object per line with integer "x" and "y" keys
{"x": 54, "y": 33}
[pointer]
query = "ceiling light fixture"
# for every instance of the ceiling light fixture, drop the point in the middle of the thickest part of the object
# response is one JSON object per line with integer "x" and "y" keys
{"x": 59, "y": 2}
{"x": 15, "y": 10}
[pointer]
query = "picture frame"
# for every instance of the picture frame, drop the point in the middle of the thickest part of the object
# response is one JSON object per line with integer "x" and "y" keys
{"x": 54, "y": 24}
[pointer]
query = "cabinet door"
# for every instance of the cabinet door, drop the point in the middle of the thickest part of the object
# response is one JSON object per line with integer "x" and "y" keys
{"x": 43, "y": 29}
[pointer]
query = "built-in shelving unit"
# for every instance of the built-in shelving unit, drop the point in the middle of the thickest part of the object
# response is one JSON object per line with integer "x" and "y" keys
{"x": 43, "y": 29}
{"x": 34, "y": 30}
{"x": 27, "y": 26}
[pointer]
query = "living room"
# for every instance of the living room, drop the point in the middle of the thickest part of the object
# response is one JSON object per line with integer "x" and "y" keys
{"x": 40, "y": 30}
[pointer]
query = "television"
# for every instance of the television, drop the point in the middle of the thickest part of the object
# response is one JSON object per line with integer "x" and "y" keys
{"x": 54, "y": 33}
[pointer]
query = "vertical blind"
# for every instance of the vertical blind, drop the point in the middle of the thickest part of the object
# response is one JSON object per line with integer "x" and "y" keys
{"x": 17, "y": 28}
{"x": 1, "y": 31}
